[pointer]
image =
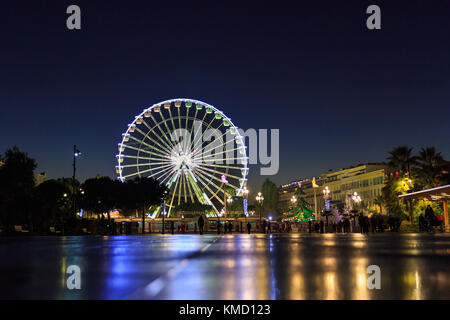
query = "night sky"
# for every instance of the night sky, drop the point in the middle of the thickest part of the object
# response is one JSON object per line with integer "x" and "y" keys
{"x": 339, "y": 93}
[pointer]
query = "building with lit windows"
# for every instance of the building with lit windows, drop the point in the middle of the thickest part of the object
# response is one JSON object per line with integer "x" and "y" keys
{"x": 285, "y": 194}
{"x": 367, "y": 180}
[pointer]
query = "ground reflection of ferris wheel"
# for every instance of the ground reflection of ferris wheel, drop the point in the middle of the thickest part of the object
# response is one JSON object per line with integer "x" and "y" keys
{"x": 193, "y": 169}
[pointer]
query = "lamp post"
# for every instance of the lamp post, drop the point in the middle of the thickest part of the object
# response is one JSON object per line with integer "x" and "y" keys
{"x": 229, "y": 201}
{"x": 357, "y": 199}
{"x": 76, "y": 154}
{"x": 315, "y": 186}
{"x": 326, "y": 198}
{"x": 224, "y": 183}
{"x": 245, "y": 193}
{"x": 260, "y": 200}
{"x": 164, "y": 211}
{"x": 245, "y": 200}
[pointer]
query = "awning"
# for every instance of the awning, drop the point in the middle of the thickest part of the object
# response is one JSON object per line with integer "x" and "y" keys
{"x": 434, "y": 194}
{"x": 439, "y": 194}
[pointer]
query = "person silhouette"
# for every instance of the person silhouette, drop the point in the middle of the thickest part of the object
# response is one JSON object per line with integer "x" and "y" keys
{"x": 201, "y": 223}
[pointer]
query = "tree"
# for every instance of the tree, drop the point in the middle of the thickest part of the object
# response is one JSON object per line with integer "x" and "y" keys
{"x": 401, "y": 159}
{"x": 430, "y": 168}
{"x": 101, "y": 194}
{"x": 143, "y": 193}
{"x": 402, "y": 162}
{"x": 237, "y": 207}
{"x": 270, "y": 193}
{"x": 393, "y": 188}
{"x": 16, "y": 186}
{"x": 52, "y": 202}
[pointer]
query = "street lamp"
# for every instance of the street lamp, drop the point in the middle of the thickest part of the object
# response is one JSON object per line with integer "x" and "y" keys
{"x": 229, "y": 201}
{"x": 293, "y": 200}
{"x": 326, "y": 197}
{"x": 260, "y": 200}
{"x": 76, "y": 154}
{"x": 356, "y": 198}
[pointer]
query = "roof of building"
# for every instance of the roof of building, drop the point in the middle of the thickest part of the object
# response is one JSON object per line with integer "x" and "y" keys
{"x": 438, "y": 193}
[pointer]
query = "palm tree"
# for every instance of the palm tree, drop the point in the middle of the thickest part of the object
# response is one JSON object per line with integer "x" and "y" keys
{"x": 430, "y": 167}
{"x": 401, "y": 159}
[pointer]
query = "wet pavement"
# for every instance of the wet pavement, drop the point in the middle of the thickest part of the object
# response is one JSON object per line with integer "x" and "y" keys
{"x": 287, "y": 266}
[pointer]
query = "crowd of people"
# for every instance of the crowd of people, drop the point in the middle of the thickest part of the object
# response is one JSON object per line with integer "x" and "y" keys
{"x": 357, "y": 222}
{"x": 430, "y": 220}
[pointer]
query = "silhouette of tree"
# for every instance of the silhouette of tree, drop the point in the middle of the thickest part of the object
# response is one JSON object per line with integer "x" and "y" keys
{"x": 16, "y": 186}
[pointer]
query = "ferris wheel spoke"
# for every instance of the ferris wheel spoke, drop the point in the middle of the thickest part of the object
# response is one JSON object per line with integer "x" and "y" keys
{"x": 198, "y": 158}
{"x": 165, "y": 146}
{"x": 169, "y": 177}
{"x": 195, "y": 141}
{"x": 173, "y": 196}
{"x": 186, "y": 126}
{"x": 214, "y": 141}
{"x": 203, "y": 150}
{"x": 210, "y": 135}
{"x": 169, "y": 142}
{"x": 164, "y": 169}
{"x": 168, "y": 129}
{"x": 159, "y": 155}
{"x": 139, "y": 165}
{"x": 205, "y": 186}
{"x": 137, "y": 173}
{"x": 158, "y": 175}
{"x": 218, "y": 172}
{"x": 221, "y": 166}
{"x": 174, "y": 131}
{"x": 184, "y": 187}
{"x": 140, "y": 149}
{"x": 164, "y": 149}
{"x": 213, "y": 194}
{"x": 135, "y": 157}
{"x": 190, "y": 190}
{"x": 239, "y": 158}
{"x": 141, "y": 158}
{"x": 213, "y": 177}
{"x": 196, "y": 132}
{"x": 179, "y": 118}
{"x": 207, "y": 180}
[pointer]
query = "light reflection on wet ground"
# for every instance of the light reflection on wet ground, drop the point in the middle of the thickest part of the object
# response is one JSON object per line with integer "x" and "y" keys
{"x": 288, "y": 266}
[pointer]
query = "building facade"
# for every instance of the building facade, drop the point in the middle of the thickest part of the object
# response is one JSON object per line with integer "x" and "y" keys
{"x": 367, "y": 180}
{"x": 285, "y": 194}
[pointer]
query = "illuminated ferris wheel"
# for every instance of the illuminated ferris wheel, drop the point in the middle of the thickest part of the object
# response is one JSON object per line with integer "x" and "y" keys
{"x": 191, "y": 147}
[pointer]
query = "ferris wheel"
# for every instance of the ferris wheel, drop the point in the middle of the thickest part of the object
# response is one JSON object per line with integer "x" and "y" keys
{"x": 189, "y": 146}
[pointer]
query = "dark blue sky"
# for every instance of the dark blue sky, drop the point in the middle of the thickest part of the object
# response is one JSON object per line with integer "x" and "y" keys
{"x": 339, "y": 93}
